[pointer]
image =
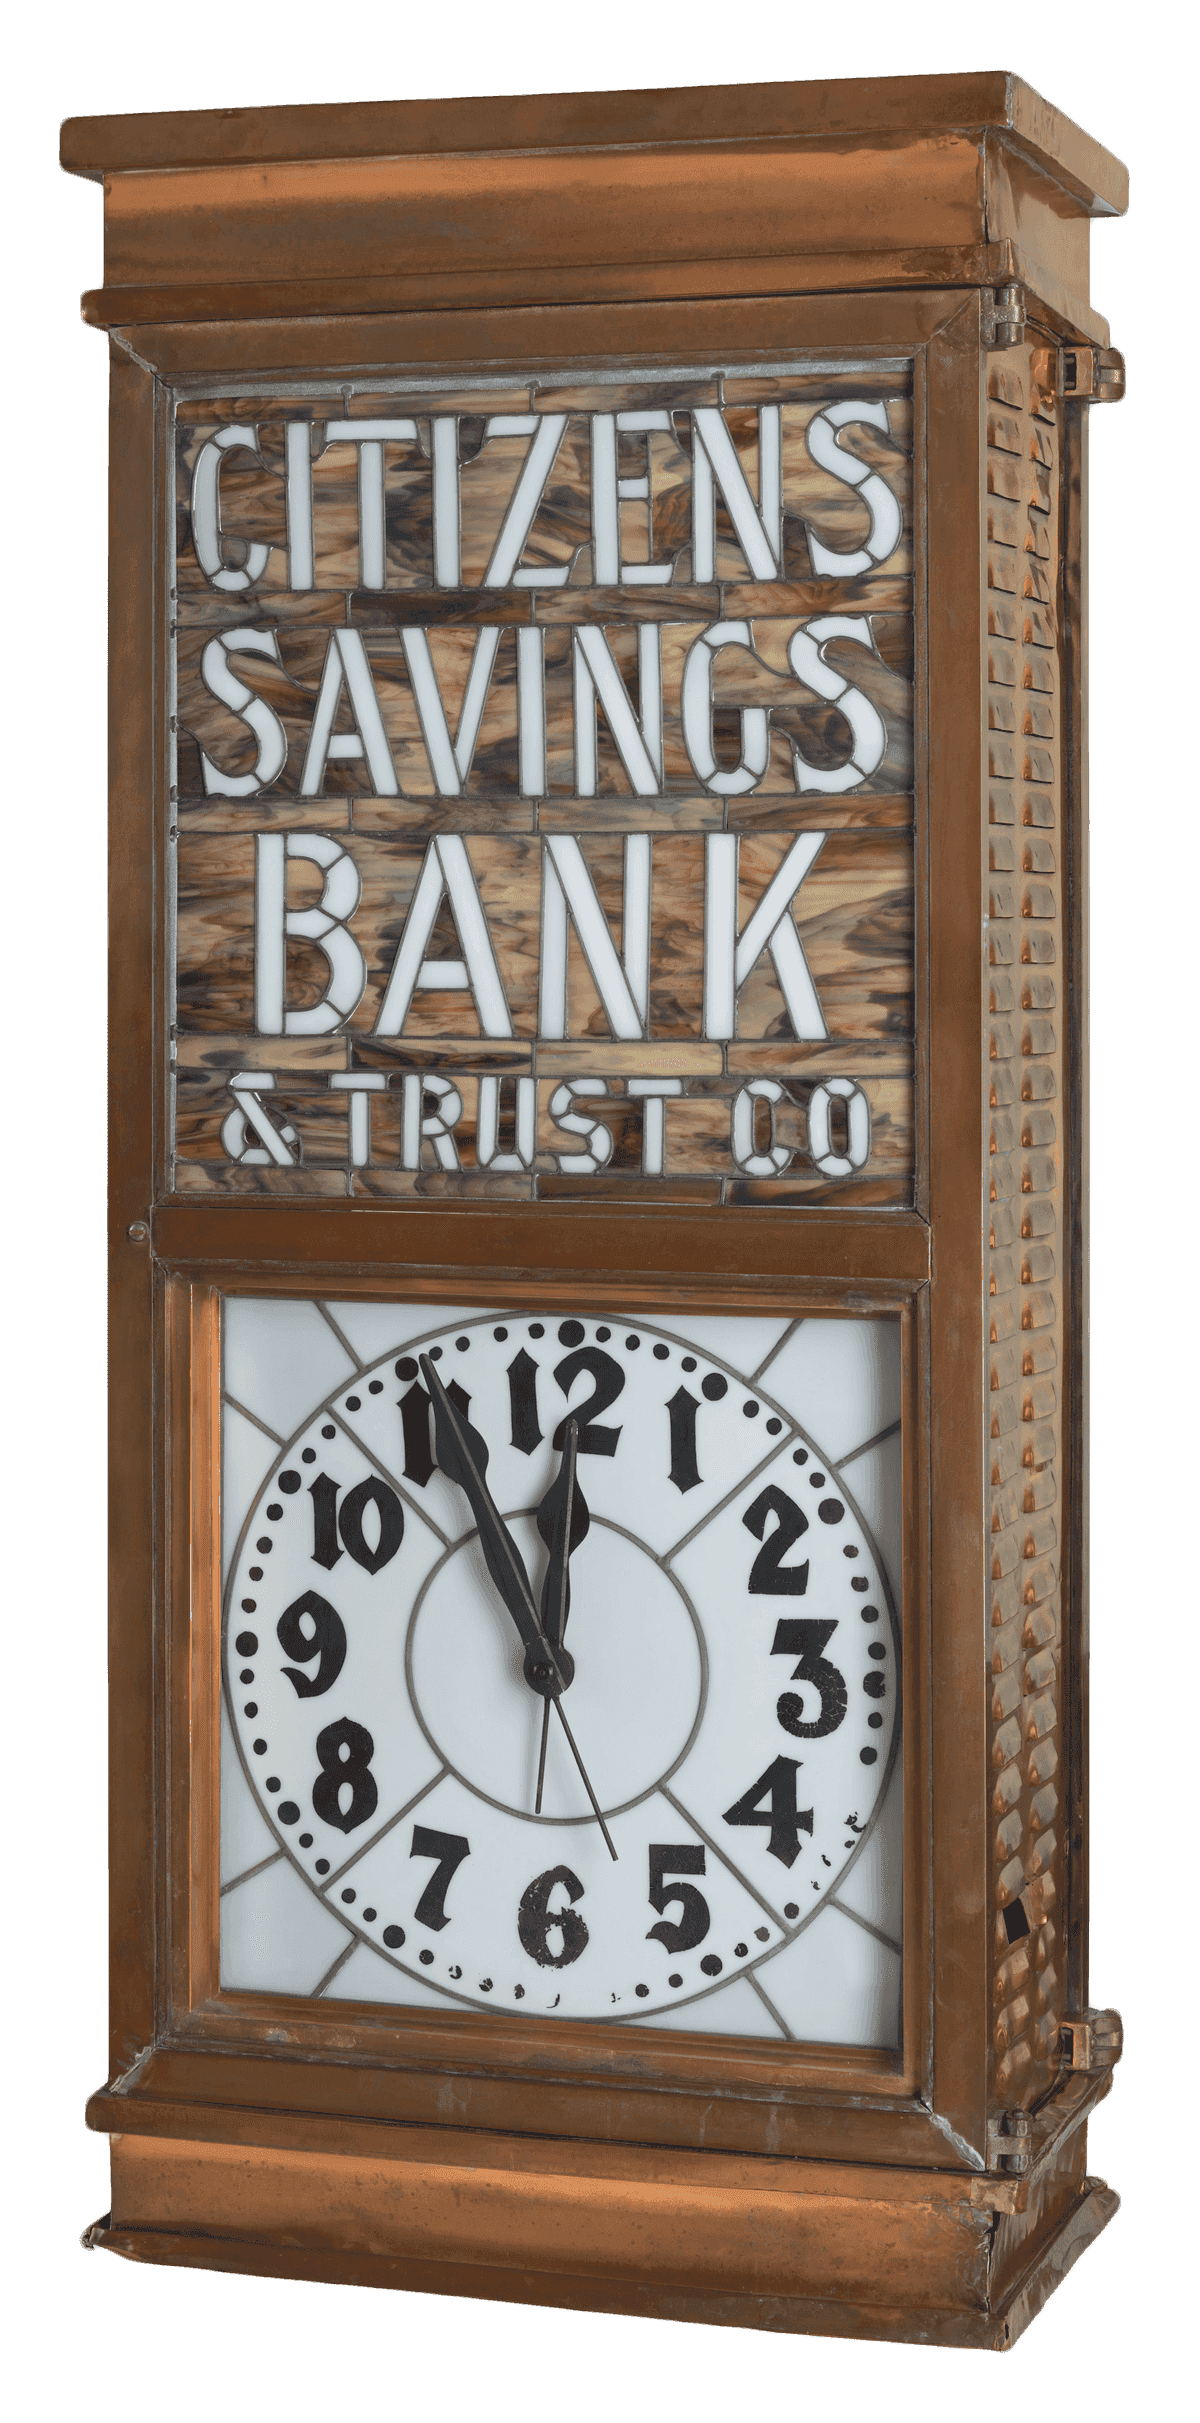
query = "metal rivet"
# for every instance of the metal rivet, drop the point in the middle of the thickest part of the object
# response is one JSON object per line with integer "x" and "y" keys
{"x": 139, "y": 1232}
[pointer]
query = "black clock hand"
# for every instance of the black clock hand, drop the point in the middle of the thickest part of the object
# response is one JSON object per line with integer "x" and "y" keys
{"x": 563, "y": 1520}
{"x": 462, "y": 1455}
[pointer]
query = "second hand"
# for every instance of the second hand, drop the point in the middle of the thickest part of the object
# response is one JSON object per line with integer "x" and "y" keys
{"x": 584, "y": 1773}
{"x": 537, "y": 1806}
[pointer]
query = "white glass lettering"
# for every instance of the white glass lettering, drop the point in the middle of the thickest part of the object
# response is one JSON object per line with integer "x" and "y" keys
{"x": 219, "y": 678}
{"x": 206, "y": 514}
{"x": 716, "y": 463}
{"x": 325, "y": 925}
{"x": 696, "y": 708}
{"x": 359, "y": 1084}
{"x": 546, "y": 430}
{"x": 830, "y": 563}
{"x": 638, "y": 738}
{"x": 346, "y": 665}
{"x": 806, "y": 656}
{"x": 729, "y": 957}
{"x": 446, "y": 872}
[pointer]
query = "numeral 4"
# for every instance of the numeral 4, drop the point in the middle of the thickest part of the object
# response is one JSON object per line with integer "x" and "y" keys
{"x": 785, "y": 1822}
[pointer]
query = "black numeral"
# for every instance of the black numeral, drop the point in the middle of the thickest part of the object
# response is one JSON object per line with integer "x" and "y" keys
{"x": 786, "y": 1822}
{"x": 325, "y": 1638}
{"x": 522, "y": 1397}
{"x": 536, "y": 1920}
{"x": 324, "y": 1495}
{"x": 805, "y": 1638}
{"x": 414, "y": 1417}
{"x": 344, "y": 1753}
{"x": 327, "y": 1522}
{"x": 683, "y": 1408}
{"x": 415, "y": 1407}
{"x": 371, "y": 1492}
{"x": 669, "y": 1860}
{"x": 609, "y": 1377}
{"x": 449, "y": 1850}
{"x": 769, "y": 1576}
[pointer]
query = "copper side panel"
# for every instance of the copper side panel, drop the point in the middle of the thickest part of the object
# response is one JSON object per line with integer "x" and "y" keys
{"x": 1025, "y": 1079}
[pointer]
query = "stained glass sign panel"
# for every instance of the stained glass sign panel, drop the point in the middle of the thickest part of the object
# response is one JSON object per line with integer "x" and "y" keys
{"x": 543, "y": 788}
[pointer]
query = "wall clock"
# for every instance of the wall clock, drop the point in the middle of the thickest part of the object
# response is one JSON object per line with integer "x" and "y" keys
{"x": 598, "y": 1632}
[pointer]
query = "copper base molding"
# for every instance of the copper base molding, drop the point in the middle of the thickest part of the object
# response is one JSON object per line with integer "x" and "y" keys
{"x": 853, "y": 2253}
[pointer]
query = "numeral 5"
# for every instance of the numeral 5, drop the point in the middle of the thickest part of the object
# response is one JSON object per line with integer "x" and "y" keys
{"x": 667, "y": 1861}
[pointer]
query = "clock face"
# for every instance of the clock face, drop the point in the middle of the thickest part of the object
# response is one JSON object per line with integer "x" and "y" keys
{"x": 559, "y": 1659}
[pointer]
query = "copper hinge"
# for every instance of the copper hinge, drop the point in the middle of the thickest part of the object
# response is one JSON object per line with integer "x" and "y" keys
{"x": 1004, "y": 316}
{"x": 1010, "y": 2142}
{"x": 1092, "y": 2041}
{"x": 1092, "y": 374}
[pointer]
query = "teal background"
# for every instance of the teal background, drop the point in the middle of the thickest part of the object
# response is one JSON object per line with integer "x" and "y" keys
{"x": 90, "y": 2336}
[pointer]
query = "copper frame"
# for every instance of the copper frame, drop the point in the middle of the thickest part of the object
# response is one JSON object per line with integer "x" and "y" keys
{"x": 192, "y": 2070}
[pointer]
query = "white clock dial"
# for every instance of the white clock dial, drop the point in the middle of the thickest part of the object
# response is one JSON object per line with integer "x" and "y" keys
{"x": 726, "y": 1656}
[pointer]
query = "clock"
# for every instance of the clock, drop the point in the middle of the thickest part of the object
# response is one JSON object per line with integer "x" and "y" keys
{"x": 599, "y": 1637}
{"x": 651, "y": 1835}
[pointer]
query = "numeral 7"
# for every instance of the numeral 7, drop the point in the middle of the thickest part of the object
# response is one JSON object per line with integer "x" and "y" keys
{"x": 449, "y": 1850}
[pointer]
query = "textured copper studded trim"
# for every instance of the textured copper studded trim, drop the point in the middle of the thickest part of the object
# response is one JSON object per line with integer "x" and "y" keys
{"x": 1026, "y": 1033}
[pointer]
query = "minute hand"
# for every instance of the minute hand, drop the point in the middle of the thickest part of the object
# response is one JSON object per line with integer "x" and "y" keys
{"x": 462, "y": 1455}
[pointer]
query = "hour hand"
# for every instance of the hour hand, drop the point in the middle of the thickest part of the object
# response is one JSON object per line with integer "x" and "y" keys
{"x": 563, "y": 1520}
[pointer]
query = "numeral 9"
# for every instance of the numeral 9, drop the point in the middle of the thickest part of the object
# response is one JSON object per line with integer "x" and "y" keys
{"x": 326, "y": 1639}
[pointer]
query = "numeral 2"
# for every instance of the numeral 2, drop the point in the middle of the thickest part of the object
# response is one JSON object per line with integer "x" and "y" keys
{"x": 594, "y": 1437}
{"x": 769, "y": 1576}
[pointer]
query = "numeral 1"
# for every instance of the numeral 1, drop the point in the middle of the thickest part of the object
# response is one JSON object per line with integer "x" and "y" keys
{"x": 416, "y": 1406}
{"x": 682, "y": 1409}
{"x": 522, "y": 1398}
{"x": 324, "y": 1495}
